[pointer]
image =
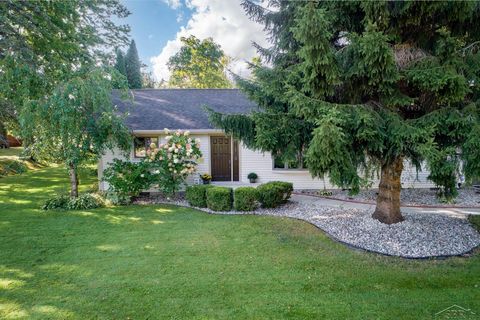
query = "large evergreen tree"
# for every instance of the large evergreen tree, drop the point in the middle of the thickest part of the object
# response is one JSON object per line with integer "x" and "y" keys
{"x": 133, "y": 67}
{"x": 199, "y": 64}
{"x": 368, "y": 85}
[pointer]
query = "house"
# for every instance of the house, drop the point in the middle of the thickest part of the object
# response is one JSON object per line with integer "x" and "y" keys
{"x": 227, "y": 160}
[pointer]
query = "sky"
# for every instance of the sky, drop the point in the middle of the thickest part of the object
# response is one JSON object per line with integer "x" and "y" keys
{"x": 157, "y": 25}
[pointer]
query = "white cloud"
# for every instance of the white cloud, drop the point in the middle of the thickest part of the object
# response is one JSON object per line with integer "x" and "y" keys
{"x": 174, "y": 4}
{"x": 223, "y": 20}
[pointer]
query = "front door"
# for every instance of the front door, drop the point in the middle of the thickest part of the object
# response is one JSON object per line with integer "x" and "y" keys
{"x": 221, "y": 158}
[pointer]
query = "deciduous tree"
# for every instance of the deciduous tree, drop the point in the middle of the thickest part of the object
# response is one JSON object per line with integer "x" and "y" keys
{"x": 199, "y": 64}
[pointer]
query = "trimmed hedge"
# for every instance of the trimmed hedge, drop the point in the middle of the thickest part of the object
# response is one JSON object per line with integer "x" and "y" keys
{"x": 272, "y": 194}
{"x": 245, "y": 199}
{"x": 219, "y": 198}
{"x": 196, "y": 195}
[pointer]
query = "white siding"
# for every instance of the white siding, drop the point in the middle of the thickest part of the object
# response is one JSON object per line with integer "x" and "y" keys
{"x": 203, "y": 163}
{"x": 261, "y": 164}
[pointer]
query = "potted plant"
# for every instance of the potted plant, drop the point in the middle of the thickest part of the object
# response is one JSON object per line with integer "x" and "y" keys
{"x": 206, "y": 178}
{"x": 252, "y": 176}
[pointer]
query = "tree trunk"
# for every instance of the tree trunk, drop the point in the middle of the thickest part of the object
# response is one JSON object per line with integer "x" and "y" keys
{"x": 388, "y": 199}
{"x": 73, "y": 181}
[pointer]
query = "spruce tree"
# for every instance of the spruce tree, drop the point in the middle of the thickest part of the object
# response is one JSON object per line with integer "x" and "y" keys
{"x": 120, "y": 62}
{"x": 133, "y": 66}
{"x": 373, "y": 85}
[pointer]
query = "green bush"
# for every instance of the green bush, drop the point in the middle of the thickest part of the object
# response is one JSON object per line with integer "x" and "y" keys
{"x": 245, "y": 199}
{"x": 56, "y": 203}
{"x": 272, "y": 194}
{"x": 127, "y": 179}
{"x": 197, "y": 195}
{"x": 219, "y": 198}
{"x": 9, "y": 167}
{"x": 84, "y": 201}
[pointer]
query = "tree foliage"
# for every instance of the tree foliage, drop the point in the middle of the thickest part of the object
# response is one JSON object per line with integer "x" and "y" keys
{"x": 43, "y": 42}
{"x": 368, "y": 85}
{"x": 133, "y": 67}
{"x": 76, "y": 123}
{"x": 199, "y": 64}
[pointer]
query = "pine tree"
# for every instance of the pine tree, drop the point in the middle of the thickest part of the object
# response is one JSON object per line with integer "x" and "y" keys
{"x": 133, "y": 66}
{"x": 120, "y": 62}
{"x": 373, "y": 85}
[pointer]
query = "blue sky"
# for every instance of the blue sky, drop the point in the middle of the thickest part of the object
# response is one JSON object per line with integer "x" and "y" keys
{"x": 153, "y": 23}
{"x": 158, "y": 25}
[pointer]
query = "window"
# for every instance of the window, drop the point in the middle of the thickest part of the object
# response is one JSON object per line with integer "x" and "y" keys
{"x": 295, "y": 164}
{"x": 142, "y": 145}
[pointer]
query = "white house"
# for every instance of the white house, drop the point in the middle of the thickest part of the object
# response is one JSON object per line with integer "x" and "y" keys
{"x": 224, "y": 158}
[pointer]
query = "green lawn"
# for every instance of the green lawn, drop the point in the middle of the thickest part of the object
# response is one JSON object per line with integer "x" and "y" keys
{"x": 152, "y": 262}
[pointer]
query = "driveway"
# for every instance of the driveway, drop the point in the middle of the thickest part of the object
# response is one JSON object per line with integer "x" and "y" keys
{"x": 453, "y": 212}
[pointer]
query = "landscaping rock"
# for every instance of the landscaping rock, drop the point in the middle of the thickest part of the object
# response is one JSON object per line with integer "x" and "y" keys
{"x": 420, "y": 235}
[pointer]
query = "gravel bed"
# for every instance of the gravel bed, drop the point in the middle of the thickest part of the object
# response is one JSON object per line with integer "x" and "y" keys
{"x": 421, "y": 235}
{"x": 416, "y": 197}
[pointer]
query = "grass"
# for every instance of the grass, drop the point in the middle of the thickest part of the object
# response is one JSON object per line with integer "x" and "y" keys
{"x": 156, "y": 262}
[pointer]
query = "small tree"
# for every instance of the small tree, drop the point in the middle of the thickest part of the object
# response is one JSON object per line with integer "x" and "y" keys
{"x": 173, "y": 161}
{"x": 133, "y": 67}
{"x": 76, "y": 123}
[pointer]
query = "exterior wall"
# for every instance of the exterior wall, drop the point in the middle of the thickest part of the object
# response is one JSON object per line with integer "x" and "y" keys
{"x": 262, "y": 165}
{"x": 203, "y": 163}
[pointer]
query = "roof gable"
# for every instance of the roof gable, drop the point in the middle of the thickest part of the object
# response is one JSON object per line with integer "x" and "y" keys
{"x": 156, "y": 109}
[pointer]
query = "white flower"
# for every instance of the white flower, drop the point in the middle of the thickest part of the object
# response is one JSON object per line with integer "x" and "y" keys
{"x": 197, "y": 140}
{"x": 71, "y": 96}
{"x": 166, "y": 131}
{"x": 175, "y": 160}
{"x": 178, "y": 133}
{"x": 186, "y": 133}
{"x": 156, "y": 171}
{"x": 142, "y": 175}
{"x": 168, "y": 138}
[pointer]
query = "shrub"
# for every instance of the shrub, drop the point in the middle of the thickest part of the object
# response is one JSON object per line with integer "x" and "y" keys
{"x": 56, "y": 203}
{"x": 219, "y": 198}
{"x": 82, "y": 202}
{"x": 245, "y": 199}
{"x": 252, "y": 176}
{"x": 85, "y": 201}
{"x": 12, "y": 167}
{"x": 174, "y": 160}
{"x": 127, "y": 179}
{"x": 197, "y": 196}
{"x": 272, "y": 194}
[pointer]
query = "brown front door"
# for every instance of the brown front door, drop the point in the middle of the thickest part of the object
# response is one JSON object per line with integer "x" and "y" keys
{"x": 221, "y": 158}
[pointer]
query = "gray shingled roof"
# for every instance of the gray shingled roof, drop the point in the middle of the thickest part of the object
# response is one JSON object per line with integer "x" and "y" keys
{"x": 156, "y": 109}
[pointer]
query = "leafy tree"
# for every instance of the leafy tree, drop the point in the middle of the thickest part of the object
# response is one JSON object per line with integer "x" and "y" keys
{"x": 77, "y": 122}
{"x": 199, "y": 64}
{"x": 44, "y": 42}
{"x": 133, "y": 66}
{"x": 368, "y": 85}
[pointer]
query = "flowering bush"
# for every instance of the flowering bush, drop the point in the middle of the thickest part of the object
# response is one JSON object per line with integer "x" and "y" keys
{"x": 174, "y": 160}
